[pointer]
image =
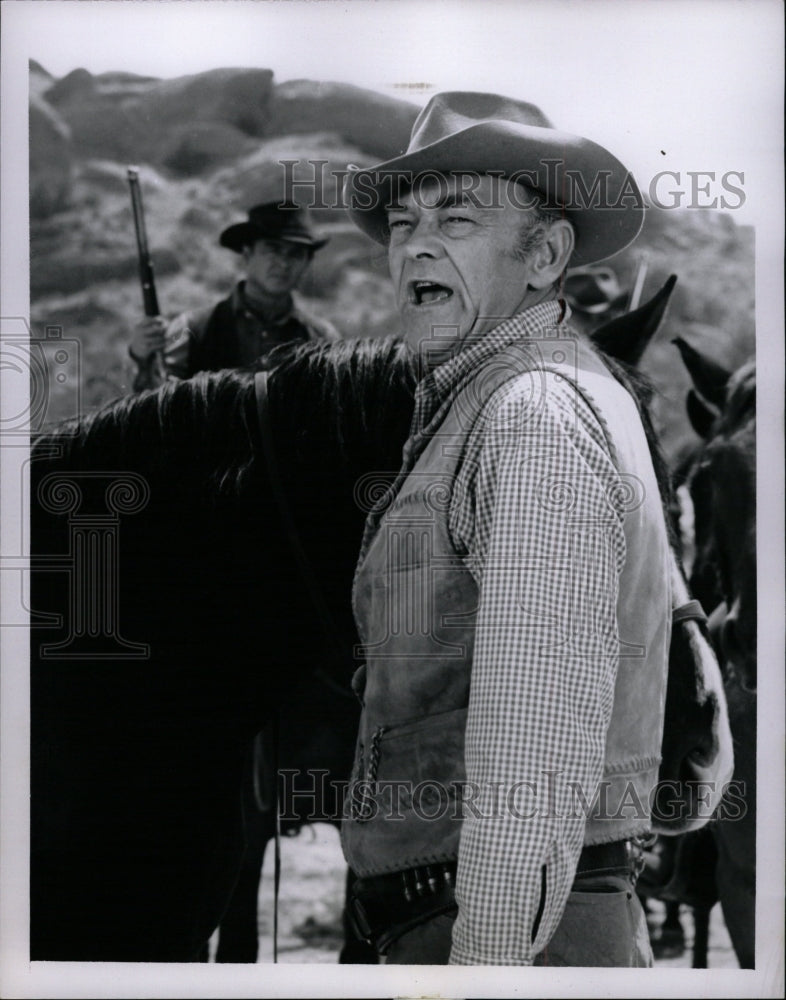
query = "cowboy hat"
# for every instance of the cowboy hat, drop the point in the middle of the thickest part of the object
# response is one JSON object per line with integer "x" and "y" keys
{"x": 272, "y": 221}
{"x": 466, "y": 132}
{"x": 592, "y": 290}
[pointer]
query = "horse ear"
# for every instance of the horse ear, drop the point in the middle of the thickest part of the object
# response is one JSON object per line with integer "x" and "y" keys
{"x": 701, "y": 415}
{"x": 709, "y": 378}
{"x": 626, "y": 337}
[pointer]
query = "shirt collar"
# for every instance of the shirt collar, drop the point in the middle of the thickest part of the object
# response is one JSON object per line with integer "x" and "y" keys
{"x": 532, "y": 322}
{"x": 240, "y": 306}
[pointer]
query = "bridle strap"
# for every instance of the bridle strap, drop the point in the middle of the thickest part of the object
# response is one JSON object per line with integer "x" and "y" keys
{"x": 276, "y": 839}
{"x": 692, "y": 611}
{"x": 303, "y": 562}
{"x": 318, "y": 601}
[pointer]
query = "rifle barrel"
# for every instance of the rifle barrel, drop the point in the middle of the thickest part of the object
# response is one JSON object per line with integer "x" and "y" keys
{"x": 146, "y": 276}
{"x": 638, "y": 284}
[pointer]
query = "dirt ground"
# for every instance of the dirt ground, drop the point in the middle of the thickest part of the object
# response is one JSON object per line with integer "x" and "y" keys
{"x": 311, "y": 894}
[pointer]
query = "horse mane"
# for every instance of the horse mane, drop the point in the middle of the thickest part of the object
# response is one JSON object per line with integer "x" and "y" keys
{"x": 351, "y": 400}
{"x": 343, "y": 407}
{"x": 331, "y": 404}
{"x": 200, "y": 428}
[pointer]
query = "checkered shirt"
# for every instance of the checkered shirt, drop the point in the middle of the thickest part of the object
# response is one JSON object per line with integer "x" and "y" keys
{"x": 529, "y": 511}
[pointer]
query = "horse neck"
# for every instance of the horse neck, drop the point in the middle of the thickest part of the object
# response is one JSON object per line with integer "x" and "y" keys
{"x": 339, "y": 413}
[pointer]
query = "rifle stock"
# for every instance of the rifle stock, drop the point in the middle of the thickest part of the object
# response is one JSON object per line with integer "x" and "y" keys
{"x": 146, "y": 276}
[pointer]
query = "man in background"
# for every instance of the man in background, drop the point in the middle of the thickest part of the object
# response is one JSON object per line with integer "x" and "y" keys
{"x": 594, "y": 296}
{"x": 276, "y": 244}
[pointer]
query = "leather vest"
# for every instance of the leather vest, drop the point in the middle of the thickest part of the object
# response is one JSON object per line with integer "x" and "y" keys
{"x": 214, "y": 343}
{"x": 415, "y": 602}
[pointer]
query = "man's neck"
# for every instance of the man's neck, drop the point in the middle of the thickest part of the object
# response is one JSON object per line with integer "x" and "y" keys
{"x": 431, "y": 356}
{"x": 267, "y": 306}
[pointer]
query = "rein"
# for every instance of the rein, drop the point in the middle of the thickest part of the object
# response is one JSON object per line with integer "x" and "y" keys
{"x": 324, "y": 616}
{"x": 304, "y": 564}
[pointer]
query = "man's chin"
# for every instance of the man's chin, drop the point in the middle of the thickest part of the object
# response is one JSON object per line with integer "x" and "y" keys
{"x": 433, "y": 330}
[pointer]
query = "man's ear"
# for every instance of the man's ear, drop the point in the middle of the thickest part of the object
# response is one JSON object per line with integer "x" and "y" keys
{"x": 551, "y": 258}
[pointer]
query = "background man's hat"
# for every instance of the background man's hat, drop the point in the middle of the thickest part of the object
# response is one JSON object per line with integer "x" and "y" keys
{"x": 272, "y": 222}
{"x": 466, "y": 132}
{"x": 593, "y": 290}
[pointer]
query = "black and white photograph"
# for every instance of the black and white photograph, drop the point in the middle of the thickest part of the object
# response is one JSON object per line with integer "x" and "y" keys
{"x": 392, "y": 540}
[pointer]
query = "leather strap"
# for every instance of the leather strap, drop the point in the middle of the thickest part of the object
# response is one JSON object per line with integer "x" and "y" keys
{"x": 383, "y": 907}
{"x": 600, "y": 859}
{"x": 303, "y": 562}
{"x": 690, "y": 612}
{"x": 276, "y": 839}
{"x": 309, "y": 579}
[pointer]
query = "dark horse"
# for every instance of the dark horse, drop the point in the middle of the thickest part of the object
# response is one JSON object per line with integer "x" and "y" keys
{"x": 697, "y": 741}
{"x": 722, "y": 483}
{"x": 188, "y": 626}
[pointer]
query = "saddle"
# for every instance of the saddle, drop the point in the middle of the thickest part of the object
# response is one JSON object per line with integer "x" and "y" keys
{"x": 697, "y": 757}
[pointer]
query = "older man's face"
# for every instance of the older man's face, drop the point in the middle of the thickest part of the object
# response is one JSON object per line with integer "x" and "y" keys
{"x": 453, "y": 262}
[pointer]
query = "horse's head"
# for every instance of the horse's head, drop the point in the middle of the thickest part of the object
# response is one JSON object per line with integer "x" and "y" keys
{"x": 627, "y": 337}
{"x": 722, "y": 483}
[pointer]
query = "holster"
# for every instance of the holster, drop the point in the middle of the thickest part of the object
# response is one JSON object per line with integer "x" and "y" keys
{"x": 384, "y": 907}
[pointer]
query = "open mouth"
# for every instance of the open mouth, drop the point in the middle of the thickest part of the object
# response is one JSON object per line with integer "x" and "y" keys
{"x": 425, "y": 293}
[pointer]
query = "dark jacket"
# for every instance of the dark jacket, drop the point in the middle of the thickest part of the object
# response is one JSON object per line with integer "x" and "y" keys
{"x": 227, "y": 335}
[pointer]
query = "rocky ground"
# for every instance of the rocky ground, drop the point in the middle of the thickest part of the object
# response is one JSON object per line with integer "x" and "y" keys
{"x": 312, "y": 887}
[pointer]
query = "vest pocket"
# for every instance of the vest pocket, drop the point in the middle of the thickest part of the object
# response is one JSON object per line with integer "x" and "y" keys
{"x": 415, "y": 767}
{"x": 424, "y": 758}
{"x": 410, "y": 813}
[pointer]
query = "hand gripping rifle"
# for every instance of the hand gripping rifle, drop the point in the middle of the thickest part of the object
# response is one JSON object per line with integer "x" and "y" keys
{"x": 155, "y": 370}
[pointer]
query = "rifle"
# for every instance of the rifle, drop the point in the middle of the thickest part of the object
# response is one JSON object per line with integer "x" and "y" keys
{"x": 145, "y": 263}
{"x": 155, "y": 370}
{"x": 638, "y": 283}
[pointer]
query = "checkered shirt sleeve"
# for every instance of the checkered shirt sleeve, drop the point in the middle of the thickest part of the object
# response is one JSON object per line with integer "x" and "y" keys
{"x": 546, "y": 550}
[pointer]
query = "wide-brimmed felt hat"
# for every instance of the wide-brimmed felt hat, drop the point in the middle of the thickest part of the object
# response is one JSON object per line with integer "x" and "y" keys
{"x": 466, "y": 132}
{"x": 592, "y": 290}
{"x": 273, "y": 221}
